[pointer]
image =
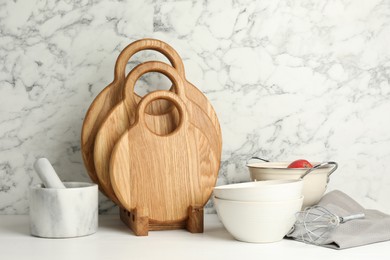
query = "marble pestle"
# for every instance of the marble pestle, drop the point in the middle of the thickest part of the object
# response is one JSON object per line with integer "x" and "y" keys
{"x": 47, "y": 174}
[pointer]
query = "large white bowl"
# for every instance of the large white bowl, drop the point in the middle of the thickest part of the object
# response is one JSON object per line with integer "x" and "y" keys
{"x": 314, "y": 185}
{"x": 273, "y": 190}
{"x": 258, "y": 222}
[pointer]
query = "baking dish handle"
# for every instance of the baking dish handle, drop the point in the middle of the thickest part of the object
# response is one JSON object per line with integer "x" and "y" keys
{"x": 335, "y": 165}
{"x": 256, "y": 158}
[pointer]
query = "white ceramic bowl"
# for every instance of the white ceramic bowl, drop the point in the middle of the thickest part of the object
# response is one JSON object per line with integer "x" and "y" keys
{"x": 273, "y": 190}
{"x": 258, "y": 222}
{"x": 314, "y": 185}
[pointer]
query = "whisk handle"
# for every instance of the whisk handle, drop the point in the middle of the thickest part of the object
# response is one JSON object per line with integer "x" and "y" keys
{"x": 351, "y": 217}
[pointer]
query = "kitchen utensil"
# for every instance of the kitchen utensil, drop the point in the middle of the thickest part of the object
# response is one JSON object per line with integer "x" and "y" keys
{"x": 64, "y": 213}
{"x": 258, "y": 222}
{"x": 315, "y": 179}
{"x": 47, "y": 174}
{"x": 112, "y": 95}
{"x": 259, "y": 191}
{"x": 161, "y": 178}
{"x": 122, "y": 117}
{"x": 373, "y": 228}
{"x": 317, "y": 222}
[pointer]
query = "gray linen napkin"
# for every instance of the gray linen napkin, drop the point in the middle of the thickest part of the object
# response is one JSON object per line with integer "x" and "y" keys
{"x": 374, "y": 227}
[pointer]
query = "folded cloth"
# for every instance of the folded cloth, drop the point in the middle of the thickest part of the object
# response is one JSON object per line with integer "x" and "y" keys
{"x": 374, "y": 227}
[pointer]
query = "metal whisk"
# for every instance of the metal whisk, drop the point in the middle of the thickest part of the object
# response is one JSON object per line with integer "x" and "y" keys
{"x": 315, "y": 224}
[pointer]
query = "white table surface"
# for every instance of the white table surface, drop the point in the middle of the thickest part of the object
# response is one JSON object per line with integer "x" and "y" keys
{"x": 115, "y": 241}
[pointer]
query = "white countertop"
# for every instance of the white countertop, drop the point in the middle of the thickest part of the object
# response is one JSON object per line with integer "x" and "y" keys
{"x": 115, "y": 241}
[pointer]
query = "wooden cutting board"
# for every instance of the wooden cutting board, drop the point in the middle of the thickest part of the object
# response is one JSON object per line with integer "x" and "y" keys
{"x": 162, "y": 176}
{"x": 122, "y": 117}
{"x": 112, "y": 95}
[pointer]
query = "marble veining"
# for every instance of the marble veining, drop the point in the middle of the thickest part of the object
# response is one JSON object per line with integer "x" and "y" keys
{"x": 64, "y": 213}
{"x": 288, "y": 80}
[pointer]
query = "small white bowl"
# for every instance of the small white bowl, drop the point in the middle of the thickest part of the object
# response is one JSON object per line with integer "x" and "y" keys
{"x": 274, "y": 190}
{"x": 258, "y": 222}
{"x": 314, "y": 185}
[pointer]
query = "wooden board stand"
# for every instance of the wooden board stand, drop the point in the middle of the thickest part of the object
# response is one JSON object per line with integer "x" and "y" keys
{"x": 158, "y": 162}
{"x": 138, "y": 221}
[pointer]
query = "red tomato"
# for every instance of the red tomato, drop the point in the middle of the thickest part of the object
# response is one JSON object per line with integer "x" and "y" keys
{"x": 300, "y": 164}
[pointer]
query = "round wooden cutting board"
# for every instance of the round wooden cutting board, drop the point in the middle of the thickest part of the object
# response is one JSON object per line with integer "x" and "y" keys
{"x": 163, "y": 175}
{"x": 112, "y": 95}
{"x": 122, "y": 117}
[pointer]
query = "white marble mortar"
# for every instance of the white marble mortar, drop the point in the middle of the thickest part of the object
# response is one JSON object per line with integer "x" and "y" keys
{"x": 64, "y": 213}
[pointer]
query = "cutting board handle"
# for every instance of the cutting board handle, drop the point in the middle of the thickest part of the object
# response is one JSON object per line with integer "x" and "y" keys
{"x": 147, "y": 44}
{"x": 152, "y": 66}
{"x": 166, "y": 95}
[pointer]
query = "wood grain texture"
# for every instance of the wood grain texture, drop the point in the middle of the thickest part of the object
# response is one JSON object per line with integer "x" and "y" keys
{"x": 112, "y": 95}
{"x": 195, "y": 222}
{"x": 140, "y": 224}
{"x": 122, "y": 117}
{"x": 163, "y": 174}
{"x": 137, "y": 221}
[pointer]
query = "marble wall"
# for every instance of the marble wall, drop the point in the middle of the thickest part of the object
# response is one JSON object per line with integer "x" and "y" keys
{"x": 288, "y": 80}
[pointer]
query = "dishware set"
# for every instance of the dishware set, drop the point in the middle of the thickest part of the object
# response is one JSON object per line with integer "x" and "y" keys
{"x": 264, "y": 210}
{"x": 259, "y": 212}
{"x": 157, "y": 157}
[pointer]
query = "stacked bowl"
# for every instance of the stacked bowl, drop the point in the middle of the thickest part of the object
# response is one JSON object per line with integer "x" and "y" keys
{"x": 315, "y": 179}
{"x": 259, "y": 212}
